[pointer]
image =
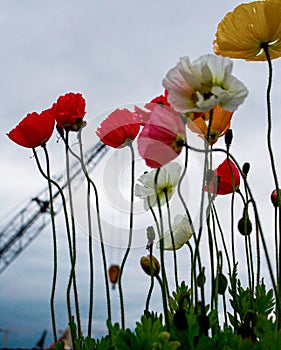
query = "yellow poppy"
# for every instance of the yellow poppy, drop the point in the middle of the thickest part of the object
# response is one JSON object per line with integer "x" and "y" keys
{"x": 244, "y": 32}
{"x": 219, "y": 125}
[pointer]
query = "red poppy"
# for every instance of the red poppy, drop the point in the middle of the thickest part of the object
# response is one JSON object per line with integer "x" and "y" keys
{"x": 226, "y": 178}
{"x": 118, "y": 129}
{"x": 162, "y": 137}
{"x": 70, "y": 110}
{"x": 143, "y": 115}
{"x": 34, "y": 130}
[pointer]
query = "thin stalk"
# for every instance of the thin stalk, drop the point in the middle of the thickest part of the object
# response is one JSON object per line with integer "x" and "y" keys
{"x": 104, "y": 260}
{"x": 173, "y": 241}
{"x": 272, "y": 161}
{"x": 193, "y": 264}
{"x": 164, "y": 284}
{"x": 130, "y": 238}
{"x": 72, "y": 277}
{"x": 68, "y": 301}
{"x": 151, "y": 279}
{"x": 55, "y": 254}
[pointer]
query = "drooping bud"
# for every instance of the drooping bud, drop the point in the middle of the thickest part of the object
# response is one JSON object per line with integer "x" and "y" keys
{"x": 228, "y": 137}
{"x": 150, "y": 266}
{"x": 222, "y": 283}
{"x": 274, "y": 199}
{"x": 246, "y": 168}
{"x": 201, "y": 279}
{"x": 245, "y": 225}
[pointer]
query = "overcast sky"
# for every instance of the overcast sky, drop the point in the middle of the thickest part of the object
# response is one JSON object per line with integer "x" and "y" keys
{"x": 114, "y": 53}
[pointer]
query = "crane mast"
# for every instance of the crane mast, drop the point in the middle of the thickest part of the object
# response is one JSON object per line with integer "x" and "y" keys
{"x": 18, "y": 232}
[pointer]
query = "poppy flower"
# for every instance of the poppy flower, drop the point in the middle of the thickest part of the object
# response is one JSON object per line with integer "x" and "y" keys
{"x": 203, "y": 84}
{"x": 181, "y": 231}
{"x": 244, "y": 32}
{"x": 118, "y": 129}
{"x": 162, "y": 137}
{"x": 219, "y": 125}
{"x": 34, "y": 130}
{"x": 167, "y": 180}
{"x": 226, "y": 178}
{"x": 70, "y": 111}
{"x": 144, "y": 115}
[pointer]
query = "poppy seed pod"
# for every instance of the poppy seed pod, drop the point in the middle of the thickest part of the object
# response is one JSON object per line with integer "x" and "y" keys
{"x": 150, "y": 267}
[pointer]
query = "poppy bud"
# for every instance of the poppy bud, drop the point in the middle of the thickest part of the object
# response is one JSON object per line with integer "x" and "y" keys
{"x": 245, "y": 225}
{"x": 228, "y": 137}
{"x": 273, "y": 198}
{"x": 145, "y": 264}
{"x": 246, "y": 168}
{"x": 222, "y": 283}
{"x": 201, "y": 279}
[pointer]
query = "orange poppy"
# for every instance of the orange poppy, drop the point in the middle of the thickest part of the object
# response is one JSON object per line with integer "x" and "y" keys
{"x": 219, "y": 125}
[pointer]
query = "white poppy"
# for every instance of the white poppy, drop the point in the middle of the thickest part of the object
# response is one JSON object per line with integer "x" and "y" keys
{"x": 167, "y": 181}
{"x": 203, "y": 84}
{"x": 181, "y": 230}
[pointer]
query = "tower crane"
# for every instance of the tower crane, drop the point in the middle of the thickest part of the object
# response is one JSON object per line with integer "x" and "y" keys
{"x": 18, "y": 232}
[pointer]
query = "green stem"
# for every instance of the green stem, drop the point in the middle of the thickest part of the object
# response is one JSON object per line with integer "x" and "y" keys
{"x": 60, "y": 191}
{"x": 193, "y": 264}
{"x": 55, "y": 255}
{"x": 151, "y": 279}
{"x": 104, "y": 260}
{"x": 173, "y": 241}
{"x": 72, "y": 277}
{"x": 272, "y": 161}
{"x": 164, "y": 284}
{"x": 130, "y": 238}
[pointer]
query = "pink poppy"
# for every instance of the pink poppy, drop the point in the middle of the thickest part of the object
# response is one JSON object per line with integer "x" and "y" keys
{"x": 162, "y": 137}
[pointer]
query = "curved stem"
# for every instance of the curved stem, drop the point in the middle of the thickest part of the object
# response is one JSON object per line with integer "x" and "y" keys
{"x": 90, "y": 240}
{"x": 130, "y": 238}
{"x": 271, "y": 156}
{"x": 260, "y": 230}
{"x": 55, "y": 255}
{"x": 151, "y": 279}
{"x": 173, "y": 241}
{"x": 60, "y": 191}
{"x": 104, "y": 260}
{"x": 72, "y": 276}
{"x": 164, "y": 284}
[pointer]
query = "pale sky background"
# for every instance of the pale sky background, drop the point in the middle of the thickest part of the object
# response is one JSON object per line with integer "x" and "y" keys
{"x": 114, "y": 53}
